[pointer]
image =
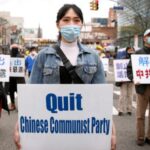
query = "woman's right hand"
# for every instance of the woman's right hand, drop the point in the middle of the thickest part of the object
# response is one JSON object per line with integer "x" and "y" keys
{"x": 17, "y": 136}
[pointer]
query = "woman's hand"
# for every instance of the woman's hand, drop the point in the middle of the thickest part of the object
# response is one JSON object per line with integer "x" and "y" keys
{"x": 17, "y": 136}
{"x": 113, "y": 138}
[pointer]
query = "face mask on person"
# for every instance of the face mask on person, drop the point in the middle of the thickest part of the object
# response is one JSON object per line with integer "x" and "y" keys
{"x": 148, "y": 40}
{"x": 70, "y": 32}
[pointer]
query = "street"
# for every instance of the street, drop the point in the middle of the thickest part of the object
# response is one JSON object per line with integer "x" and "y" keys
{"x": 125, "y": 126}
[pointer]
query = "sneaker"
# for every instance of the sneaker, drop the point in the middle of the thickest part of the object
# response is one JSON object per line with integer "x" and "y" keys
{"x": 129, "y": 113}
{"x": 140, "y": 142}
{"x": 147, "y": 141}
{"x": 120, "y": 114}
{"x": 12, "y": 107}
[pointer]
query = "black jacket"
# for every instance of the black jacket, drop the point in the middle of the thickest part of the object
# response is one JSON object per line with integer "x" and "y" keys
{"x": 140, "y": 89}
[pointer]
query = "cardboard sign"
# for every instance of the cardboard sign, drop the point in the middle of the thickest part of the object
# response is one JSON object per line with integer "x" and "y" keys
{"x": 4, "y": 68}
{"x": 141, "y": 68}
{"x": 17, "y": 67}
{"x": 120, "y": 70}
{"x": 65, "y": 117}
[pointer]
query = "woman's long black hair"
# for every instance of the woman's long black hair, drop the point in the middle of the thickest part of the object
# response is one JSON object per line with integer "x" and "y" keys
{"x": 63, "y": 10}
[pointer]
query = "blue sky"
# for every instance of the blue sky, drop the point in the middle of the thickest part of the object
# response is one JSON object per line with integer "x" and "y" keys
{"x": 44, "y": 12}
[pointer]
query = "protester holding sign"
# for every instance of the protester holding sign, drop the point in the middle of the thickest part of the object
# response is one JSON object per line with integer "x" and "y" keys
{"x": 14, "y": 80}
{"x": 68, "y": 62}
{"x": 126, "y": 89}
{"x": 143, "y": 96}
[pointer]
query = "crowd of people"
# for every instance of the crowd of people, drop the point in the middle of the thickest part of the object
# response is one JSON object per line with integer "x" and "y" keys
{"x": 9, "y": 88}
{"x": 142, "y": 92}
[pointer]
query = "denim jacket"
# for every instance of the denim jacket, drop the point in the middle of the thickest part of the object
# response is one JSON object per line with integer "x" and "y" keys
{"x": 46, "y": 67}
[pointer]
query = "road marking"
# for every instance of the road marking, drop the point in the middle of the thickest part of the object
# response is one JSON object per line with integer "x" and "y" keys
{"x": 115, "y": 111}
{"x": 117, "y": 92}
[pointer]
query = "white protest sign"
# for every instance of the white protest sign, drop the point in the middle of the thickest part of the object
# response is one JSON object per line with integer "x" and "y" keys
{"x": 17, "y": 67}
{"x": 120, "y": 70}
{"x": 105, "y": 62}
{"x": 4, "y": 68}
{"x": 141, "y": 68}
{"x": 65, "y": 117}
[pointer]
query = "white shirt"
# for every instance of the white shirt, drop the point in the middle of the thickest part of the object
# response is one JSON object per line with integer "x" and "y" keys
{"x": 71, "y": 50}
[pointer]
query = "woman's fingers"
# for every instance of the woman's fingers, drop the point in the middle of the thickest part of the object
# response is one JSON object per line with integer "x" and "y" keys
{"x": 17, "y": 137}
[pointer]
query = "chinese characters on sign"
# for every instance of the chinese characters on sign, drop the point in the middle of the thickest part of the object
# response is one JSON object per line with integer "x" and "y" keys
{"x": 141, "y": 68}
{"x": 17, "y": 67}
{"x": 120, "y": 70}
{"x": 4, "y": 68}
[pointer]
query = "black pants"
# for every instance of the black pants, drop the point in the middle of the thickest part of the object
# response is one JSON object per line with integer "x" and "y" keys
{"x": 3, "y": 97}
{"x": 13, "y": 86}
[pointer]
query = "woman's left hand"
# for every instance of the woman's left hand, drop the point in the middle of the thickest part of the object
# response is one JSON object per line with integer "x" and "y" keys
{"x": 113, "y": 138}
{"x": 113, "y": 142}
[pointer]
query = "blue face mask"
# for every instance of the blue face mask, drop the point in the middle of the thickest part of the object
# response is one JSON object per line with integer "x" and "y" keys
{"x": 70, "y": 32}
{"x": 148, "y": 40}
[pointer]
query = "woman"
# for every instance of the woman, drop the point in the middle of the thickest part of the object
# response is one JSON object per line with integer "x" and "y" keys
{"x": 48, "y": 67}
{"x": 13, "y": 81}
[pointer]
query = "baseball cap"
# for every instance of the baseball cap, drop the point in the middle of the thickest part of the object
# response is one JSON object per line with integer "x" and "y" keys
{"x": 147, "y": 32}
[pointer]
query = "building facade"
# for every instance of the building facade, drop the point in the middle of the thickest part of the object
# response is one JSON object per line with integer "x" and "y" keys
{"x": 10, "y": 31}
{"x": 132, "y": 21}
{"x": 100, "y": 30}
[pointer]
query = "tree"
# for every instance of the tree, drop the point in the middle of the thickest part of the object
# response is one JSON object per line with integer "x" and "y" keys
{"x": 138, "y": 14}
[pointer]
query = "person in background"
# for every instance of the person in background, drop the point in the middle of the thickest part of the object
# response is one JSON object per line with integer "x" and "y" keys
{"x": 48, "y": 67}
{"x": 13, "y": 81}
{"x": 126, "y": 90}
{"x": 143, "y": 97}
{"x": 29, "y": 60}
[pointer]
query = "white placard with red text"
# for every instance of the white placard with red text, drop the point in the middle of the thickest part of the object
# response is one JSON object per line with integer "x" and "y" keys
{"x": 65, "y": 117}
{"x": 141, "y": 68}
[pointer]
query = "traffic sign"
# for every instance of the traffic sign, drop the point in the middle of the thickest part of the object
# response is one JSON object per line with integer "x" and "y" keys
{"x": 118, "y": 7}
